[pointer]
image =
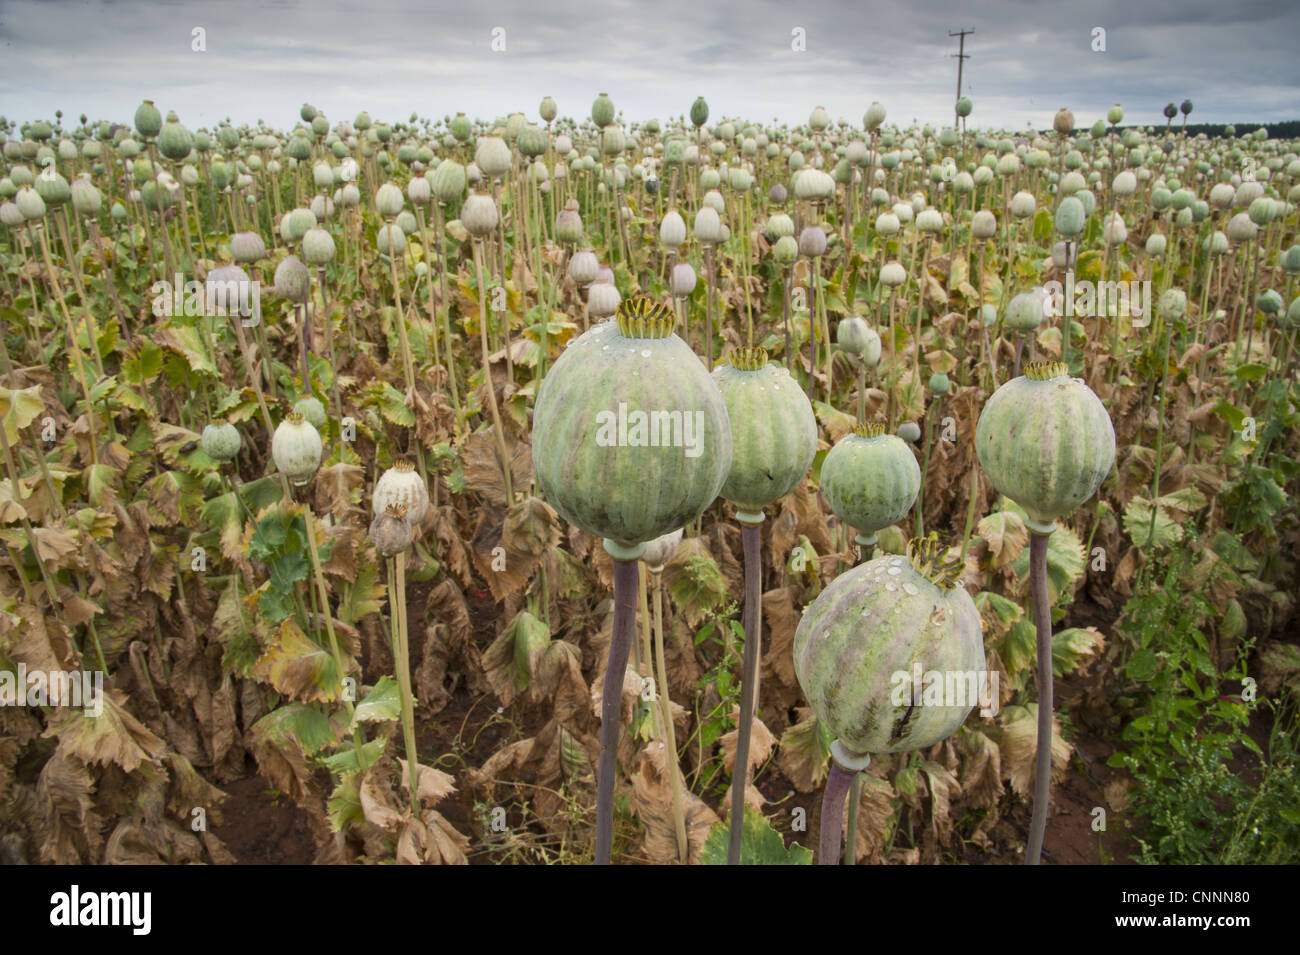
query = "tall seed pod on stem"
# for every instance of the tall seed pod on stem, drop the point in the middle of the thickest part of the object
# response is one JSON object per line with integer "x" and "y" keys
{"x": 1046, "y": 442}
{"x": 883, "y": 617}
{"x": 480, "y": 218}
{"x": 400, "y": 501}
{"x": 774, "y": 438}
{"x": 589, "y": 470}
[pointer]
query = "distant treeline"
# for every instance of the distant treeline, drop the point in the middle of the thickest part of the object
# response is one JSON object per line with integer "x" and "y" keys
{"x": 1288, "y": 130}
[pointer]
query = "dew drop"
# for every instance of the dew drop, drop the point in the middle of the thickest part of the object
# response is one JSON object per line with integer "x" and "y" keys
{"x": 892, "y": 587}
{"x": 911, "y": 590}
{"x": 894, "y": 571}
{"x": 645, "y": 353}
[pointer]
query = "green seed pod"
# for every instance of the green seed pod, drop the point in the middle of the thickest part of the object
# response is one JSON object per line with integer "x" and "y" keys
{"x": 892, "y": 274}
{"x": 548, "y": 110}
{"x": 602, "y": 110}
{"x": 461, "y": 128}
{"x": 870, "y": 479}
{"x": 568, "y": 224}
{"x": 30, "y": 203}
{"x": 311, "y": 409}
{"x": 1045, "y": 441}
{"x": 221, "y": 442}
{"x": 1115, "y": 115}
{"x": 855, "y": 336}
{"x": 53, "y": 188}
{"x": 1292, "y": 319}
{"x": 939, "y": 383}
{"x": 148, "y": 121}
{"x": 1028, "y": 309}
{"x": 449, "y": 181}
{"x": 1070, "y": 215}
{"x": 1262, "y": 211}
{"x": 866, "y": 648}
{"x": 988, "y": 315}
{"x": 631, "y": 438}
{"x": 479, "y": 215}
{"x": 1023, "y": 205}
{"x": 1173, "y": 304}
{"x": 296, "y": 449}
{"x": 773, "y": 431}
{"x": 175, "y": 141}
{"x": 389, "y": 200}
{"x": 292, "y": 279}
{"x": 964, "y": 107}
{"x": 786, "y": 250}
{"x": 247, "y": 247}
{"x": 984, "y": 225}
{"x": 317, "y": 247}
{"x": 1156, "y": 244}
{"x": 10, "y": 216}
{"x": 1291, "y": 259}
{"x": 1241, "y": 228}
{"x": 873, "y": 117}
{"x": 1269, "y": 302}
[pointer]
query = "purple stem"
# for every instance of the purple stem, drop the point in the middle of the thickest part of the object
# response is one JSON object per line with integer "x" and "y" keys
{"x": 837, "y": 789}
{"x": 753, "y": 616}
{"x": 611, "y": 704}
{"x": 1043, "y": 765}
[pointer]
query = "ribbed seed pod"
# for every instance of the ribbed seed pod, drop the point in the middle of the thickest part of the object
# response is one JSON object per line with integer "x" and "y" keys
{"x": 868, "y": 649}
{"x": 296, "y": 449}
{"x": 1045, "y": 441}
{"x": 773, "y": 430}
{"x": 870, "y": 480}
{"x": 630, "y": 434}
{"x": 402, "y": 485}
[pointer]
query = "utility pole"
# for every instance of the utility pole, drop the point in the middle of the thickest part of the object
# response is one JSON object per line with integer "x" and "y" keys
{"x": 961, "y": 56}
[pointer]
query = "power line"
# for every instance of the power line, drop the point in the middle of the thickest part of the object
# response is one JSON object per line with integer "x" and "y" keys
{"x": 962, "y": 56}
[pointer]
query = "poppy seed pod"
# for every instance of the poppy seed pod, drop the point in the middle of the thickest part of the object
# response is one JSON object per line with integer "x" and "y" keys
{"x": 1156, "y": 244}
{"x": 221, "y": 442}
{"x": 1173, "y": 304}
{"x": 1291, "y": 259}
{"x": 1241, "y": 228}
{"x": 1063, "y": 122}
{"x": 1248, "y": 192}
{"x": 1262, "y": 211}
{"x": 887, "y": 224}
{"x": 389, "y": 200}
{"x": 247, "y": 247}
{"x": 930, "y": 221}
{"x": 786, "y": 250}
{"x": 391, "y": 531}
{"x": 873, "y": 117}
{"x": 296, "y": 449}
{"x": 983, "y": 225}
{"x": 603, "y": 299}
{"x": 853, "y": 335}
{"x": 1027, "y": 310}
{"x": 1069, "y": 216}
{"x": 30, "y": 203}
{"x": 401, "y": 485}
{"x": 813, "y": 184}
{"x": 1113, "y": 231}
{"x": 311, "y": 409}
{"x": 318, "y": 247}
{"x": 419, "y": 191}
{"x": 86, "y": 200}
{"x": 909, "y": 431}
{"x": 584, "y": 267}
{"x": 964, "y": 106}
{"x": 1023, "y": 205}
{"x": 568, "y": 223}
{"x": 602, "y": 110}
{"x": 292, "y": 279}
{"x": 548, "y": 110}
{"x": 708, "y": 225}
{"x": 682, "y": 281}
{"x": 174, "y": 140}
{"x": 479, "y": 215}
{"x": 449, "y": 181}
{"x": 1115, "y": 115}
{"x": 672, "y": 231}
{"x": 1222, "y": 196}
{"x": 1124, "y": 184}
{"x": 148, "y": 120}
{"x": 492, "y": 156}
{"x": 390, "y": 240}
{"x": 1215, "y": 244}
{"x": 10, "y": 216}
{"x": 777, "y": 194}
{"x": 892, "y": 274}
{"x": 812, "y": 242}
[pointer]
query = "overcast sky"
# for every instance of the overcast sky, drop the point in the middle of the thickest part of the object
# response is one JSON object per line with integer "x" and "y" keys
{"x": 1237, "y": 61}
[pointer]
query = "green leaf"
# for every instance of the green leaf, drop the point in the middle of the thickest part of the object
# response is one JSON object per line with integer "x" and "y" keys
{"x": 1074, "y": 646}
{"x": 18, "y": 409}
{"x": 298, "y": 721}
{"x": 345, "y": 760}
{"x": 1142, "y": 666}
{"x": 760, "y": 844}
{"x": 1137, "y": 524}
{"x": 382, "y": 703}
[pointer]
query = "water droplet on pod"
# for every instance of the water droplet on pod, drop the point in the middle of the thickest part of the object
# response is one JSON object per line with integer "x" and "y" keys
{"x": 910, "y": 589}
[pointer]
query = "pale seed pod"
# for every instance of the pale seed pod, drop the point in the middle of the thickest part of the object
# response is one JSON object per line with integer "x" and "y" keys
{"x": 479, "y": 215}
{"x": 401, "y": 485}
{"x": 708, "y": 225}
{"x": 892, "y": 274}
{"x": 603, "y": 299}
{"x": 983, "y": 225}
{"x": 672, "y": 231}
{"x": 682, "y": 281}
{"x": 812, "y": 242}
{"x": 584, "y": 267}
